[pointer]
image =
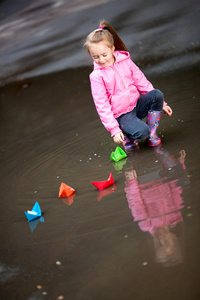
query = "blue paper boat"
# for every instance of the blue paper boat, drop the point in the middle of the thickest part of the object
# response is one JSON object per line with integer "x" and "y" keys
{"x": 34, "y": 213}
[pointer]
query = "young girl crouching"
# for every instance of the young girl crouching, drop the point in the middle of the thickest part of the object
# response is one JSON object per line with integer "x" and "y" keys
{"x": 122, "y": 94}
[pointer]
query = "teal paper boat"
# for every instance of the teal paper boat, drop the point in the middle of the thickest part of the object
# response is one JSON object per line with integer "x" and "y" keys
{"x": 118, "y": 154}
{"x": 34, "y": 213}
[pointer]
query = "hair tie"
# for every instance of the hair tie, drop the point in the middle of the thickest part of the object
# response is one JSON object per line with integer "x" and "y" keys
{"x": 99, "y": 29}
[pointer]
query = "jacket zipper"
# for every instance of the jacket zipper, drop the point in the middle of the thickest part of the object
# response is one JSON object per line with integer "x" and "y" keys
{"x": 119, "y": 77}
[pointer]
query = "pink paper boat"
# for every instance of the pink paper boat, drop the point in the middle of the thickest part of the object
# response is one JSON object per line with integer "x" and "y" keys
{"x": 103, "y": 184}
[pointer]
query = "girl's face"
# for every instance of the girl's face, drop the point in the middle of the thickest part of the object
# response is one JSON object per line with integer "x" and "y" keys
{"x": 102, "y": 54}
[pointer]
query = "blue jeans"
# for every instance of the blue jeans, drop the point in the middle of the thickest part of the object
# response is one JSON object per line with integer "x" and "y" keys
{"x": 131, "y": 123}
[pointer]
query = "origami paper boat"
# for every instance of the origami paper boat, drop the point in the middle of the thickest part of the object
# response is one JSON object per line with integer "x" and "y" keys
{"x": 34, "y": 213}
{"x": 118, "y": 154}
{"x": 65, "y": 190}
{"x": 103, "y": 184}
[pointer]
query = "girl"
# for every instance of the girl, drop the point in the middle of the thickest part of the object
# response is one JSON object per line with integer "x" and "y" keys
{"x": 117, "y": 85}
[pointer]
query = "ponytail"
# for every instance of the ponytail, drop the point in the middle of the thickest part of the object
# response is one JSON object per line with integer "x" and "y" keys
{"x": 106, "y": 33}
{"x": 118, "y": 43}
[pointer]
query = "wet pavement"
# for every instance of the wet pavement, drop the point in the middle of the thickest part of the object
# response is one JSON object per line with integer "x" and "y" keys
{"x": 47, "y": 36}
{"x": 137, "y": 239}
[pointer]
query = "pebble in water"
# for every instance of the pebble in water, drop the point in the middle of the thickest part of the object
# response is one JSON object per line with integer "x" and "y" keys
{"x": 44, "y": 293}
{"x": 39, "y": 287}
{"x": 25, "y": 85}
{"x": 189, "y": 215}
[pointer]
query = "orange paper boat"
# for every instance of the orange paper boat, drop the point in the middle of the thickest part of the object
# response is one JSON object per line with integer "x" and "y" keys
{"x": 103, "y": 184}
{"x": 65, "y": 190}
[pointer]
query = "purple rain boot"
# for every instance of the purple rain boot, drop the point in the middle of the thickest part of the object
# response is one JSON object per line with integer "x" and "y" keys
{"x": 153, "y": 120}
{"x": 129, "y": 144}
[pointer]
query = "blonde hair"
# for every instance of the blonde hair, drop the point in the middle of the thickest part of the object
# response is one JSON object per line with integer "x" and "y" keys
{"x": 105, "y": 33}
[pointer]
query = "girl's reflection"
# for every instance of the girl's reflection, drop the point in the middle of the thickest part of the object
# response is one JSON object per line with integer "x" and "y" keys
{"x": 157, "y": 204}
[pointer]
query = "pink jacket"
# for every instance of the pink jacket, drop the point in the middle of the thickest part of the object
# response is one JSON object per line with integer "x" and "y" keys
{"x": 117, "y": 88}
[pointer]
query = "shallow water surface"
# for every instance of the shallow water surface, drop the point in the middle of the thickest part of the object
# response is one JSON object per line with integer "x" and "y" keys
{"x": 136, "y": 238}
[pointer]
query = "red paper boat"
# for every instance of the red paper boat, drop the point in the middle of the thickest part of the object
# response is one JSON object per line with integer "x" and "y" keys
{"x": 103, "y": 184}
{"x": 65, "y": 190}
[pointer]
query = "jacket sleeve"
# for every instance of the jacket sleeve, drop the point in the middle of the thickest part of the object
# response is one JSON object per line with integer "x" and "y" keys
{"x": 140, "y": 81}
{"x": 103, "y": 106}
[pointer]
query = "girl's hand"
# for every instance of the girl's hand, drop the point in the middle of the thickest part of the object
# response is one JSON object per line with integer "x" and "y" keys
{"x": 167, "y": 110}
{"x": 118, "y": 138}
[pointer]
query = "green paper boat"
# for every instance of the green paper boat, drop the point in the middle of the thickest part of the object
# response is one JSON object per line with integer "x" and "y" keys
{"x": 118, "y": 154}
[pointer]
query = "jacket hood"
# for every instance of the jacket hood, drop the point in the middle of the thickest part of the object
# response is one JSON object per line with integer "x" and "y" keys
{"x": 119, "y": 56}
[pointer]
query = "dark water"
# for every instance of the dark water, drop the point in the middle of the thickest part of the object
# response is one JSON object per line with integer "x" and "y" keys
{"x": 138, "y": 239}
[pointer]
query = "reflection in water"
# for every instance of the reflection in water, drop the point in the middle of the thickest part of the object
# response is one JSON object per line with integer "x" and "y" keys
{"x": 156, "y": 204}
{"x": 106, "y": 191}
{"x": 69, "y": 200}
{"x": 119, "y": 165}
{"x": 33, "y": 224}
{"x": 8, "y": 273}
